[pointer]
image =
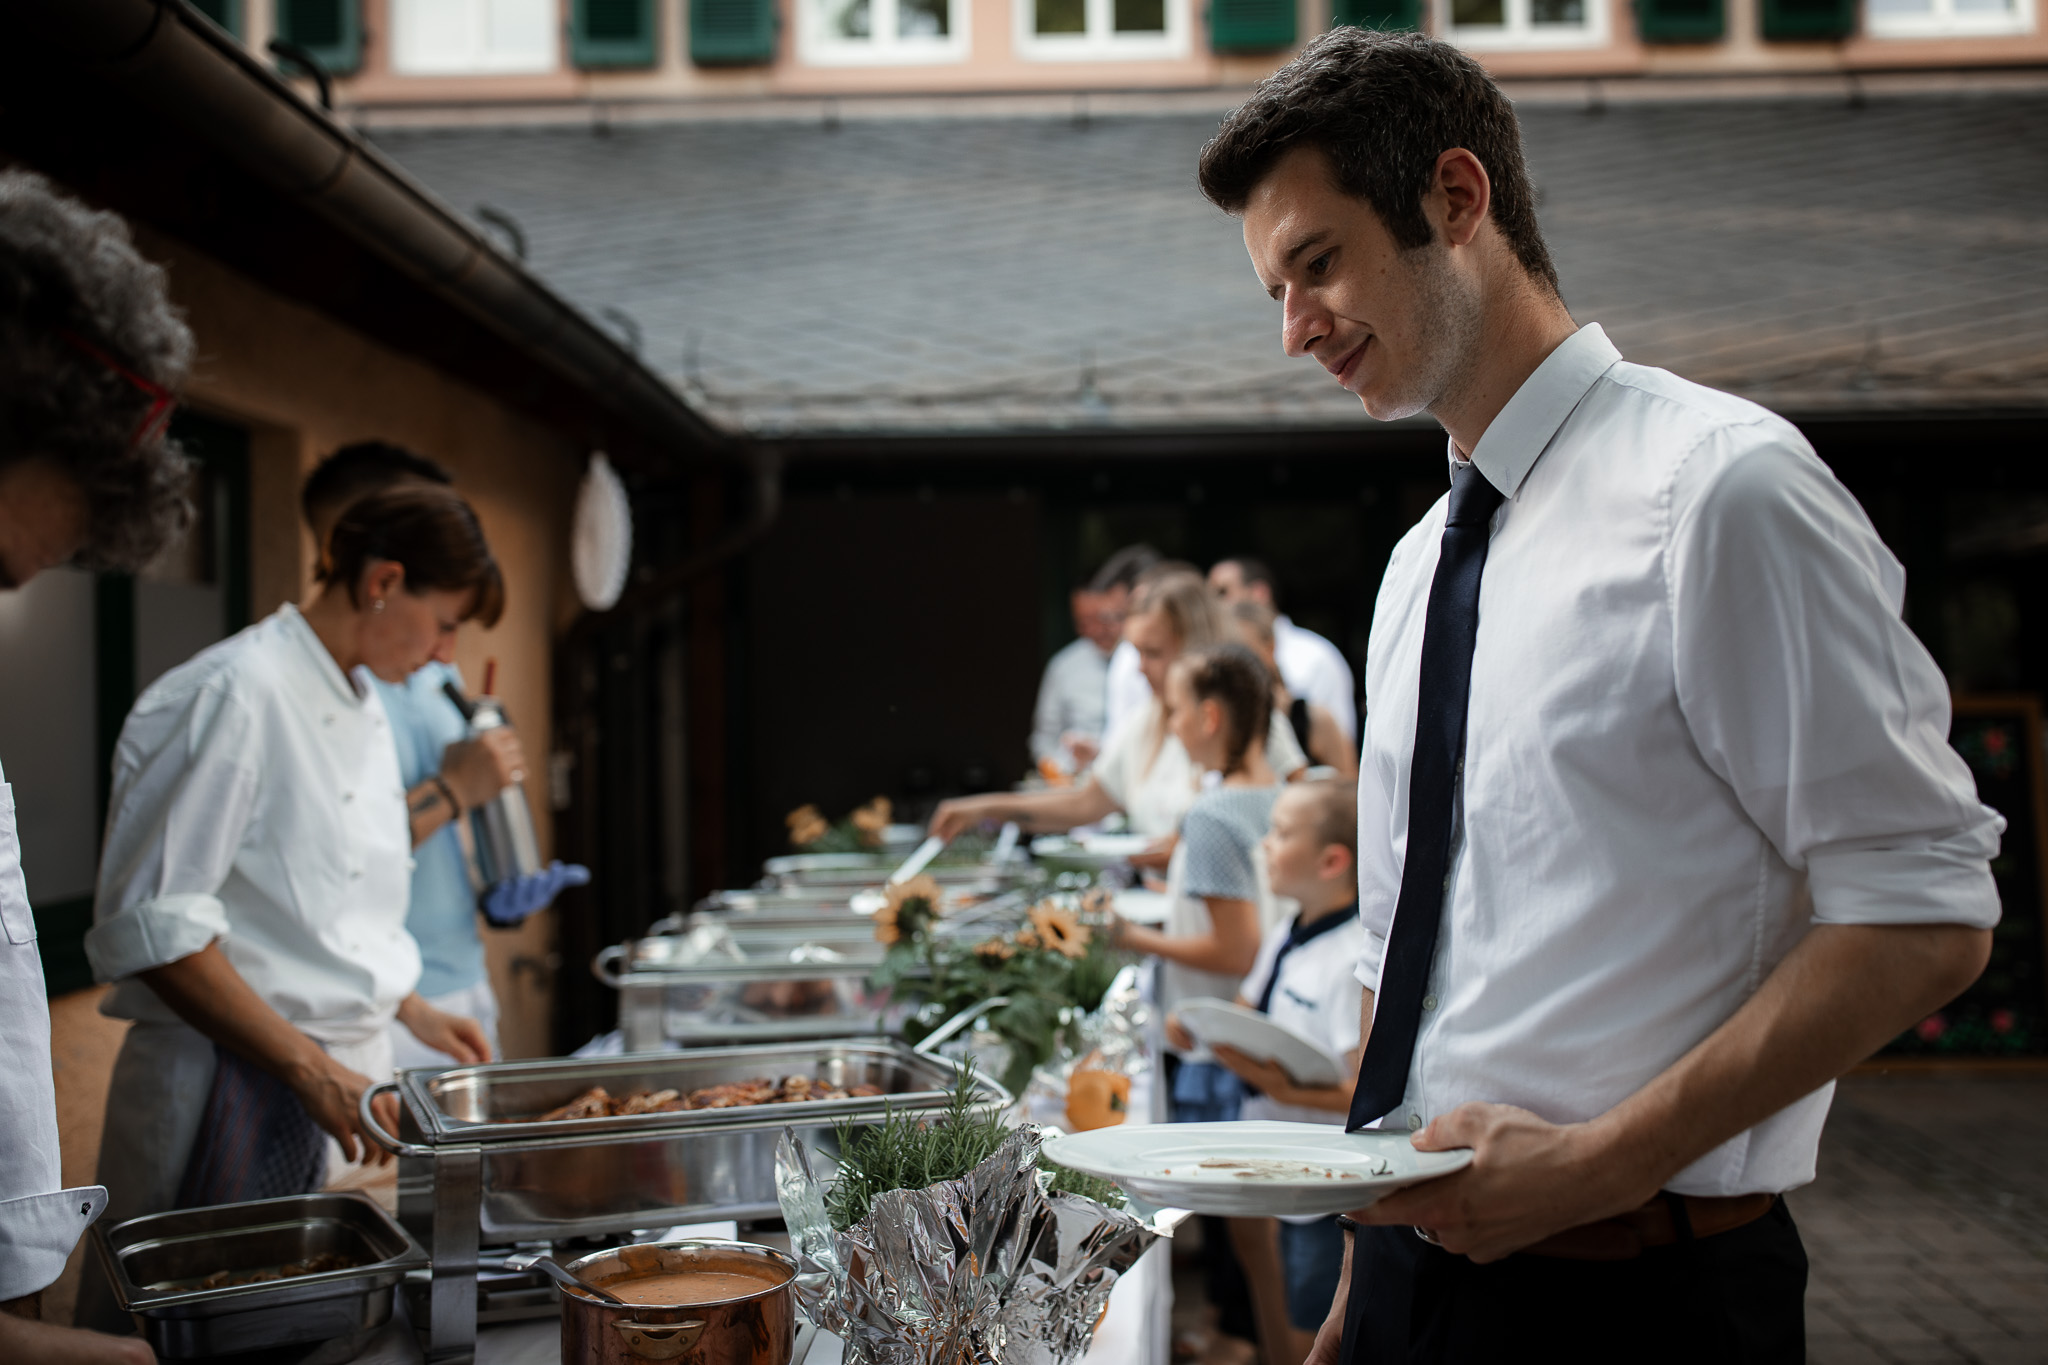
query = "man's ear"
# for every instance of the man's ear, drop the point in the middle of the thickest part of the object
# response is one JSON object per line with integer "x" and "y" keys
{"x": 1460, "y": 196}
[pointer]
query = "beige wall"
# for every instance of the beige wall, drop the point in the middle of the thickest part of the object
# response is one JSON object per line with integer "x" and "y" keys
{"x": 993, "y": 63}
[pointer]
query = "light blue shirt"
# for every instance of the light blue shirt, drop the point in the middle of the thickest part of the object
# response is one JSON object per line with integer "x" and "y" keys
{"x": 442, "y": 917}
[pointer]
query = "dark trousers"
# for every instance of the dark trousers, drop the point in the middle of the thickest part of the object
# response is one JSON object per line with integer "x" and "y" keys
{"x": 1737, "y": 1298}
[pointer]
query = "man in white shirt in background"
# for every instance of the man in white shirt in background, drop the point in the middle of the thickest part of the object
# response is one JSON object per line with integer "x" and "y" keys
{"x": 1659, "y": 829}
{"x": 1066, "y": 725}
{"x": 1310, "y": 665}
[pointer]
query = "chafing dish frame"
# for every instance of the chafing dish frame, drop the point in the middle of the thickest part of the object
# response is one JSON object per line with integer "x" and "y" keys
{"x": 200, "y": 1324}
{"x": 460, "y": 1180}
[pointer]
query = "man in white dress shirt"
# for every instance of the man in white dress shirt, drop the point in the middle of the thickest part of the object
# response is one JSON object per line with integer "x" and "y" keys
{"x": 1310, "y": 665}
{"x": 1659, "y": 829}
{"x": 1066, "y": 724}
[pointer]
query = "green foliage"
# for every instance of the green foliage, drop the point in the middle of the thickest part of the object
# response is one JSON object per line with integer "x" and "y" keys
{"x": 1065, "y": 1180}
{"x": 1048, "y": 989}
{"x": 903, "y": 1152}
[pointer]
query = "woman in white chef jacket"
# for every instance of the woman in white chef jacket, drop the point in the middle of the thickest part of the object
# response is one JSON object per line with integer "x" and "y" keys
{"x": 252, "y": 893}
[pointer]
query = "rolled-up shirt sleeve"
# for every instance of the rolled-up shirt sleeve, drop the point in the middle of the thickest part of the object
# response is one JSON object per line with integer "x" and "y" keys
{"x": 185, "y": 783}
{"x": 1807, "y": 693}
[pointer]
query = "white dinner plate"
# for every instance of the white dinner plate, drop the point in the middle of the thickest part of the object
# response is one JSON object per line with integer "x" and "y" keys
{"x": 1257, "y": 1036}
{"x": 1252, "y": 1168}
{"x": 1143, "y": 907}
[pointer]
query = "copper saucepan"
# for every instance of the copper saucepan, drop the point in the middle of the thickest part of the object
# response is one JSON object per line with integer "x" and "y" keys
{"x": 751, "y": 1327}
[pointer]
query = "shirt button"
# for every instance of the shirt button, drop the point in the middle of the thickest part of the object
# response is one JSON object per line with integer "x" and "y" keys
{"x": 1429, "y": 1002}
{"x": 327, "y": 720}
{"x": 355, "y": 874}
{"x": 347, "y": 797}
{"x": 1414, "y": 1122}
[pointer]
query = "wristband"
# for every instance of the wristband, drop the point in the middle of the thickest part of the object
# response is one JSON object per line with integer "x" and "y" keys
{"x": 448, "y": 795}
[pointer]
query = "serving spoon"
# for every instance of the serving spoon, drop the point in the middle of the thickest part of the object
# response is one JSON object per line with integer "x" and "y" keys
{"x": 554, "y": 1270}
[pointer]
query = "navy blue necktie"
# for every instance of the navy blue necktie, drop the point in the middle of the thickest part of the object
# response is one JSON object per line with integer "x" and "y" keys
{"x": 1449, "y": 631}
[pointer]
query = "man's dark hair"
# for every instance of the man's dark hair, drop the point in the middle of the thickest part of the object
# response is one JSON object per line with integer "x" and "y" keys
{"x": 356, "y": 471}
{"x": 78, "y": 306}
{"x": 1124, "y": 568}
{"x": 1382, "y": 107}
{"x": 1255, "y": 571}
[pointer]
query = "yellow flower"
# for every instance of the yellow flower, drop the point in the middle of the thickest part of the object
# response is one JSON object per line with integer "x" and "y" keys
{"x": 807, "y": 825}
{"x": 911, "y": 906}
{"x": 995, "y": 949}
{"x": 1026, "y": 938}
{"x": 872, "y": 820}
{"x": 1097, "y": 900}
{"x": 1059, "y": 930}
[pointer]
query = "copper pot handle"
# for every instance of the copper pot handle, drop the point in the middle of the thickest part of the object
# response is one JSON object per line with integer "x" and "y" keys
{"x": 658, "y": 1340}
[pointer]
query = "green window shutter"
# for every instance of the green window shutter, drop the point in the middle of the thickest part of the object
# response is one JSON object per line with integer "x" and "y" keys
{"x": 1809, "y": 19}
{"x": 226, "y": 13}
{"x": 1251, "y": 25}
{"x": 1680, "y": 21}
{"x": 1390, "y": 15}
{"x": 332, "y": 30}
{"x": 732, "y": 32}
{"x": 611, "y": 33}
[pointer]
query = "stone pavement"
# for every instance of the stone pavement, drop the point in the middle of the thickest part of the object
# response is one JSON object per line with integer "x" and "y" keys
{"x": 1928, "y": 1227}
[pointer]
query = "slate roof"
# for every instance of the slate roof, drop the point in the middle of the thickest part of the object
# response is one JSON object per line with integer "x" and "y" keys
{"x": 1021, "y": 273}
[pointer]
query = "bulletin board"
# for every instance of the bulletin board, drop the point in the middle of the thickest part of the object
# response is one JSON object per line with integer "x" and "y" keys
{"x": 2005, "y": 1014}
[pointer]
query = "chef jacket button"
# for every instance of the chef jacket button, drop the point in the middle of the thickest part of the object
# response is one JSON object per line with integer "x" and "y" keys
{"x": 355, "y": 873}
{"x": 327, "y": 720}
{"x": 1429, "y": 1002}
{"x": 1414, "y": 1122}
{"x": 347, "y": 797}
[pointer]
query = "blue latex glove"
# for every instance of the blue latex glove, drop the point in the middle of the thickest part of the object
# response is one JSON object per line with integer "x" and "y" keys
{"x": 513, "y": 899}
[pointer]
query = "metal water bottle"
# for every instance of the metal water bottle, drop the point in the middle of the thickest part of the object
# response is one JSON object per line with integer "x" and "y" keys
{"x": 501, "y": 829}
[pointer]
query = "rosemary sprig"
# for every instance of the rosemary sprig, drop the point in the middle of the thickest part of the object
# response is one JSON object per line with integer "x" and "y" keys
{"x": 1066, "y": 1180}
{"x": 904, "y": 1152}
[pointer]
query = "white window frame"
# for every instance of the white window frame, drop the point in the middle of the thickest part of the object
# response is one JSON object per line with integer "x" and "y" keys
{"x": 1519, "y": 35}
{"x": 1101, "y": 42}
{"x": 818, "y": 47}
{"x": 407, "y": 61}
{"x": 1944, "y": 22}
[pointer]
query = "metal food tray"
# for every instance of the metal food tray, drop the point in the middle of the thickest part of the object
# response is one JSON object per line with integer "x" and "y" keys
{"x": 155, "y": 1263}
{"x": 853, "y": 871}
{"x": 764, "y": 996}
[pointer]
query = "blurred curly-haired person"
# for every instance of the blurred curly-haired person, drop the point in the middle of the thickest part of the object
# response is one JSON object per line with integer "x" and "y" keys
{"x": 1659, "y": 828}
{"x": 91, "y": 355}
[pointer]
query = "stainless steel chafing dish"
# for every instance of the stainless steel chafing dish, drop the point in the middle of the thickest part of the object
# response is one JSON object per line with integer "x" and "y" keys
{"x": 762, "y": 976}
{"x": 817, "y": 871}
{"x": 156, "y": 1264}
{"x": 477, "y": 1167}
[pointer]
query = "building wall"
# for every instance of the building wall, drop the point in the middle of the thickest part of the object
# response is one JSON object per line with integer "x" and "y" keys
{"x": 992, "y": 58}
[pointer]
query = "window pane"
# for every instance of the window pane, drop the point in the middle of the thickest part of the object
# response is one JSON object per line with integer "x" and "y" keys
{"x": 1062, "y": 16}
{"x": 1983, "y": 6}
{"x": 921, "y": 18}
{"x": 1912, "y": 7}
{"x": 1557, "y": 11}
{"x": 849, "y": 19}
{"x": 1141, "y": 16}
{"x": 1476, "y": 12}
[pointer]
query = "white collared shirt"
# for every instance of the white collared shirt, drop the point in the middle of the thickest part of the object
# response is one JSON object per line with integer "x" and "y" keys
{"x": 257, "y": 801}
{"x": 1072, "y": 696}
{"x": 1314, "y": 668}
{"x": 1698, "y": 726}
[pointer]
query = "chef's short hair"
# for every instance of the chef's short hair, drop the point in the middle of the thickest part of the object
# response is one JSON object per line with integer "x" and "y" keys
{"x": 429, "y": 530}
{"x": 86, "y": 326}
{"x": 1382, "y": 107}
{"x": 357, "y": 470}
{"x": 1335, "y": 803}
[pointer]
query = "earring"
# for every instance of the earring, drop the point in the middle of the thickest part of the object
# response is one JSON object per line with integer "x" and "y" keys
{"x": 376, "y": 604}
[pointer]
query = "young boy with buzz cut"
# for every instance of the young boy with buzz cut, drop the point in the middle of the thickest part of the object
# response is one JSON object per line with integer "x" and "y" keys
{"x": 1304, "y": 979}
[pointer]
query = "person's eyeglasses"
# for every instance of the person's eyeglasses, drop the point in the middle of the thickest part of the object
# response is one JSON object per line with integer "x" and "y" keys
{"x": 162, "y": 402}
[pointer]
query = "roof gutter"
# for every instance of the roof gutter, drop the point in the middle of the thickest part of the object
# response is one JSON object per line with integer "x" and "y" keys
{"x": 172, "y": 60}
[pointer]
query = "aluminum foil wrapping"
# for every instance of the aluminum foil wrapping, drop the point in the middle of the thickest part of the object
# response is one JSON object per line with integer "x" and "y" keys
{"x": 984, "y": 1270}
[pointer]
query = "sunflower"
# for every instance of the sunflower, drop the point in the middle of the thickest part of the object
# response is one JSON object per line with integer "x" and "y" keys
{"x": 910, "y": 909}
{"x": 1059, "y": 930}
{"x": 995, "y": 950}
{"x": 807, "y": 825}
{"x": 1097, "y": 900}
{"x": 870, "y": 821}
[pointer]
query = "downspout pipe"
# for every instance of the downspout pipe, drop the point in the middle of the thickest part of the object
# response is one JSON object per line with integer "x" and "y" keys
{"x": 174, "y": 62}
